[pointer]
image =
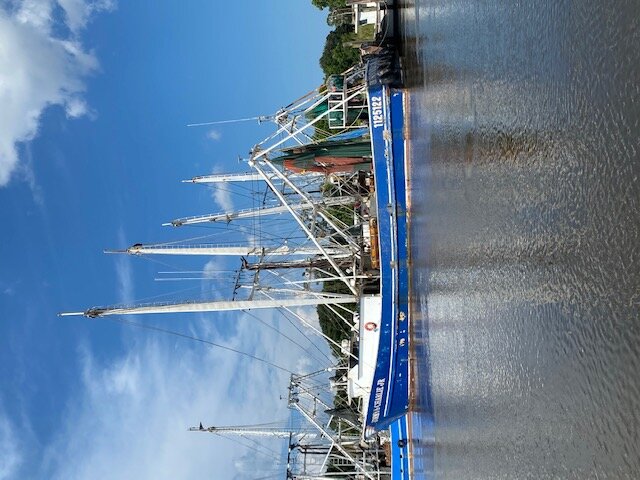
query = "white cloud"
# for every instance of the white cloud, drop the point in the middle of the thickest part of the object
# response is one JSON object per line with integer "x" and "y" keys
{"x": 304, "y": 363}
{"x": 214, "y": 135}
{"x": 78, "y": 12}
{"x": 310, "y": 318}
{"x": 131, "y": 416}
{"x": 222, "y": 196}
{"x": 38, "y": 69}
{"x": 28, "y": 175}
{"x": 35, "y": 12}
{"x": 76, "y": 107}
{"x": 125, "y": 280}
{"x": 124, "y": 273}
{"x": 10, "y": 455}
{"x": 211, "y": 268}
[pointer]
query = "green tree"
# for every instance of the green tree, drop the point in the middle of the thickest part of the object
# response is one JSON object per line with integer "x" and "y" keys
{"x": 331, "y": 324}
{"x": 336, "y": 56}
{"x": 322, "y": 4}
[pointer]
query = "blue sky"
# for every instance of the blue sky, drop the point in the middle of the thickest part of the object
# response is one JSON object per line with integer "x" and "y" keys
{"x": 94, "y": 99}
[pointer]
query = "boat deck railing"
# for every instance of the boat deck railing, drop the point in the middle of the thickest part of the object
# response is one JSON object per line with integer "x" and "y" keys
{"x": 340, "y": 118}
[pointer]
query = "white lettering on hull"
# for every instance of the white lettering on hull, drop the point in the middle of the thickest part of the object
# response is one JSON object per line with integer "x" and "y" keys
{"x": 377, "y": 399}
{"x": 376, "y": 112}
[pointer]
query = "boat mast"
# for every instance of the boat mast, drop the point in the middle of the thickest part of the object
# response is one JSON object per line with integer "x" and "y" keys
{"x": 303, "y": 225}
{"x": 214, "y": 306}
{"x": 241, "y": 177}
{"x": 225, "y": 178}
{"x": 224, "y": 250}
{"x": 260, "y": 212}
{"x": 254, "y": 431}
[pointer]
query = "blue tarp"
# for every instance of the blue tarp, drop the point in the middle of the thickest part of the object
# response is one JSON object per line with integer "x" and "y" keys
{"x": 349, "y": 135}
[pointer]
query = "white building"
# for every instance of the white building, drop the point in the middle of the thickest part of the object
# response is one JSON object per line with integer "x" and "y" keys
{"x": 365, "y": 13}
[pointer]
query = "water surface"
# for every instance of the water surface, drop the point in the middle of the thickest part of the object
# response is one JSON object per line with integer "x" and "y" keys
{"x": 525, "y": 184}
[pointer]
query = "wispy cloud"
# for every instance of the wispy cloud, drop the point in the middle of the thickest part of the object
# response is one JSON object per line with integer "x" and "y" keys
{"x": 124, "y": 273}
{"x": 77, "y": 107}
{"x": 211, "y": 268}
{"x": 125, "y": 280}
{"x": 129, "y": 419}
{"x": 222, "y": 193}
{"x": 309, "y": 326}
{"x": 39, "y": 68}
{"x": 214, "y": 135}
{"x": 28, "y": 174}
{"x": 9, "y": 291}
{"x": 223, "y": 197}
{"x": 10, "y": 455}
{"x": 79, "y": 12}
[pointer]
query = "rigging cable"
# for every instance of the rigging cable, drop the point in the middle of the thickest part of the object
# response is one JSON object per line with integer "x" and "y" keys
{"x": 195, "y": 339}
{"x": 273, "y": 455}
{"x": 287, "y": 337}
{"x": 287, "y": 315}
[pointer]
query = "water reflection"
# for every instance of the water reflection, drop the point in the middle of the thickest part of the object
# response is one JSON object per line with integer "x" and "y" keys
{"x": 525, "y": 185}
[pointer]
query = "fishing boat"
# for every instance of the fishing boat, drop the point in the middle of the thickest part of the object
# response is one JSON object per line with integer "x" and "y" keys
{"x": 347, "y": 196}
{"x": 390, "y": 386}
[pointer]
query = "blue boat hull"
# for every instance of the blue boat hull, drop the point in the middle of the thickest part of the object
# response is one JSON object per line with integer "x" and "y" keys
{"x": 400, "y": 460}
{"x": 389, "y": 398}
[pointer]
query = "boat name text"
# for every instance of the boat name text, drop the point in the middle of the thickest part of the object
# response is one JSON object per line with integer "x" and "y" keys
{"x": 376, "y": 112}
{"x": 377, "y": 400}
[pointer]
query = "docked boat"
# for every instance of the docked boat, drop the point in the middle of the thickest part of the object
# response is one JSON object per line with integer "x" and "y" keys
{"x": 347, "y": 196}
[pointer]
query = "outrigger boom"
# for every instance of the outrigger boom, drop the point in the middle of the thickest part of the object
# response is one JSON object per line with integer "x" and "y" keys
{"x": 215, "y": 306}
{"x": 240, "y": 177}
{"x": 227, "y": 250}
{"x": 257, "y": 212}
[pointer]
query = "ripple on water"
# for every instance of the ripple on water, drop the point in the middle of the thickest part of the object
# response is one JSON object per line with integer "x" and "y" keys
{"x": 525, "y": 192}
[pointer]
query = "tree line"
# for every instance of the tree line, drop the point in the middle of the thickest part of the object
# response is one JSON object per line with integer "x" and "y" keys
{"x": 337, "y": 55}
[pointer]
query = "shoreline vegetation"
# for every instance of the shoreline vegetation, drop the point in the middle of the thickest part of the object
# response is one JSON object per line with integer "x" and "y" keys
{"x": 340, "y": 50}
